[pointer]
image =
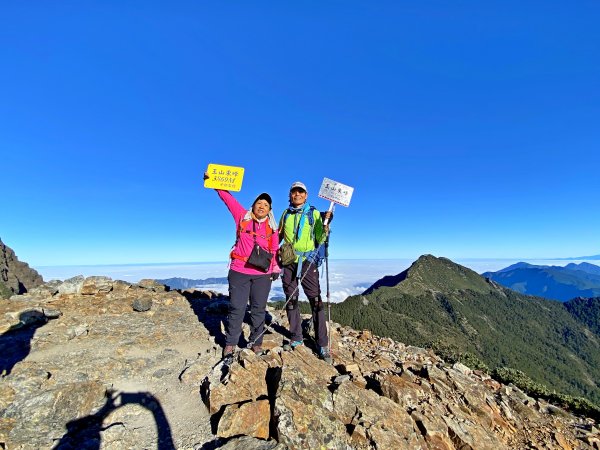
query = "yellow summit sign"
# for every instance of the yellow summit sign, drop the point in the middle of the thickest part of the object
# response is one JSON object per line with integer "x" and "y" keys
{"x": 227, "y": 178}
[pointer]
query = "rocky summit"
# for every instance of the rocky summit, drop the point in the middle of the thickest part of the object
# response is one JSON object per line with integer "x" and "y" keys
{"x": 92, "y": 363}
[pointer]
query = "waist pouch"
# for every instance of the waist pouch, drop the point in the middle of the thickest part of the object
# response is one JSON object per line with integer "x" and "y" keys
{"x": 287, "y": 255}
{"x": 260, "y": 258}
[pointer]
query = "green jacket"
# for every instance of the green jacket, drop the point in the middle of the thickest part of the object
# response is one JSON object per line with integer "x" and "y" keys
{"x": 305, "y": 242}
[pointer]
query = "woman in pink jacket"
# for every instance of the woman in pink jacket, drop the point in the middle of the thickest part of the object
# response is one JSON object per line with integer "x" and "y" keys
{"x": 256, "y": 226}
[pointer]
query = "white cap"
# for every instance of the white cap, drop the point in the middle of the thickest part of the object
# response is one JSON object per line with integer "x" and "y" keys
{"x": 299, "y": 184}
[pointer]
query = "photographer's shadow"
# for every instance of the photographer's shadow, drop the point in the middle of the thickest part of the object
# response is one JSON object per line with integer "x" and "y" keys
{"x": 86, "y": 433}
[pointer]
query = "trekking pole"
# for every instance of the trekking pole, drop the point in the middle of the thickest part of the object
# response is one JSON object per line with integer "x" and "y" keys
{"x": 331, "y": 208}
{"x": 328, "y": 293}
{"x": 310, "y": 263}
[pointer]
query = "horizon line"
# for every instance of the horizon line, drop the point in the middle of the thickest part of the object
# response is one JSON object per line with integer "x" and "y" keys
{"x": 189, "y": 263}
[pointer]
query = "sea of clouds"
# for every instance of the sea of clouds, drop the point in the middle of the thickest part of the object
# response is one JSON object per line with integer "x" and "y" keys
{"x": 346, "y": 277}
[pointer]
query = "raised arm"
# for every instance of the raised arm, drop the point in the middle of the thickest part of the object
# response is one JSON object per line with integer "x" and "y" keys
{"x": 234, "y": 207}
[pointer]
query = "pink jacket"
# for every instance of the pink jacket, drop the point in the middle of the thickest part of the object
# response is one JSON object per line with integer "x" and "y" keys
{"x": 245, "y": 242}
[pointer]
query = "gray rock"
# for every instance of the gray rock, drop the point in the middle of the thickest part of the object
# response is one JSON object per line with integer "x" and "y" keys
{"x": 96, "y": 285}
{"x": 153, "y": 285}
{"x": 72, "y": 285}
{"x": 250, "y": 443}
{"x": 46, "y": 290}
{"x": 16, "y": 277}
{"x": 52, "y": 313}
{"x": 160, "y": 373}
{"x": 462, "y": 368}
{"x": 341, "y": 379}
{"x": 79, "y": 330}
{"x": 142, "y": 304}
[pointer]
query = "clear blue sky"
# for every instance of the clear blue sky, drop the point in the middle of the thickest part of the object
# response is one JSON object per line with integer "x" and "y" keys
{"x": 467, "y": 128}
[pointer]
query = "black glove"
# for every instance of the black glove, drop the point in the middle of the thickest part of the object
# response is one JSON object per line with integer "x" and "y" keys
{"x": 274, "y": 276}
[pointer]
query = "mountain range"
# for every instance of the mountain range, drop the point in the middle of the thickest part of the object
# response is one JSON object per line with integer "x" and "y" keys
{"x": 593, "y": 257}
{"x": 553, "y": 282}
{"x": 438, "y": 303}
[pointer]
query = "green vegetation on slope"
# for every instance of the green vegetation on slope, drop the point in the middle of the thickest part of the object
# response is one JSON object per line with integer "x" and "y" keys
{"x": 586, "y": 311}
{"x": 441, "y": 304}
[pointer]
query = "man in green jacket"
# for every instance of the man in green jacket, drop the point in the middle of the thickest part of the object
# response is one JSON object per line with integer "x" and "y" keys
{"x": 302, "y": 226}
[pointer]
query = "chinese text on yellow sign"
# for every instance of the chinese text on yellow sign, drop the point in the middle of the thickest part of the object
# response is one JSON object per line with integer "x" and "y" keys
{"x": 227, "y": 178}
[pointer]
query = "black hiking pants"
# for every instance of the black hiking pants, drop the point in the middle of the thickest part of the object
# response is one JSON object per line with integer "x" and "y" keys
{"x": 312, "y": 289}
{"x": 243, "y": 287}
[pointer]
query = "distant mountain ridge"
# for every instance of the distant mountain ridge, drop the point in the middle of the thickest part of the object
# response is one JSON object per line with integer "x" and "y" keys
{"x": 593, "y": 257}
{"x": 552, "y": 282}
{"x": 441, "y": 304}
{"x": 585, "y": 267}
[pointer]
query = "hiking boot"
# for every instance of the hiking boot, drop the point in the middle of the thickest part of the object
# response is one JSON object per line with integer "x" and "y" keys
{"x": 325, "y": 355}
{"x": 227, "y": 361}
{"x": 292, "y": 345}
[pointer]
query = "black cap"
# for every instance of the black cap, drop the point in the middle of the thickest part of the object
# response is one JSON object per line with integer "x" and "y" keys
{"x": 264, "y": 196}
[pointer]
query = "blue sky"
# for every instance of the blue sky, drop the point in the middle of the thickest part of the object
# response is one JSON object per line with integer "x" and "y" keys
{"x": 468, "y": 129}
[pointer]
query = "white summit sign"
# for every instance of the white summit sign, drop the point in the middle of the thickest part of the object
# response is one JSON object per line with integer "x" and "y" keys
{"x": 336, "y": 192}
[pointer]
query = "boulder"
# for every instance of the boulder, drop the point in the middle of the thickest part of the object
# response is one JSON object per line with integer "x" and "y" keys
{"x": 142, "y": 304}
{"x": 96, "y": 285}
{"x": 71, "y": 286}
{"x": 152, "y": 285}
{"x": 249, "y": 419}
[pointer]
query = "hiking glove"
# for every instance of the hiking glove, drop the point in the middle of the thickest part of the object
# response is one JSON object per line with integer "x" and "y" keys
{"x": 274, "y": 276}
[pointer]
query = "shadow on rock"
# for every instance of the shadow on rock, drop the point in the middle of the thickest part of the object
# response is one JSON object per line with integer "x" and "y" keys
{"x": 211, "y": 310}
{"x": 85, "y": 433}
{"x": 15, "y": 344}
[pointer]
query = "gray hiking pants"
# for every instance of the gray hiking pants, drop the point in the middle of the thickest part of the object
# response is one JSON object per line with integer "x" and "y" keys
{"x": 242, "y": 288}
{"x": 312, "y": 289}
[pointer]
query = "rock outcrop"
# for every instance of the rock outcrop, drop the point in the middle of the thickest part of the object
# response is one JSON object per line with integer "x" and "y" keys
{"x": 16, "y": 277}
{"x": 381, "y": 394}
{"x": 96, "y": 363}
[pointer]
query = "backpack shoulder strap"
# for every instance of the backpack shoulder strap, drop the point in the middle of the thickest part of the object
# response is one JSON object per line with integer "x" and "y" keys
{"x": 311, "y": 222}
{"x": 311, "y": 215}
{"x": 243, "y": 226}
{"x": 284, "y": 216}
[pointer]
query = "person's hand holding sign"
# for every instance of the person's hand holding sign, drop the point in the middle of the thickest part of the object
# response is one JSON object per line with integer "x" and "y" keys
{"x": 326, "y": 216}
